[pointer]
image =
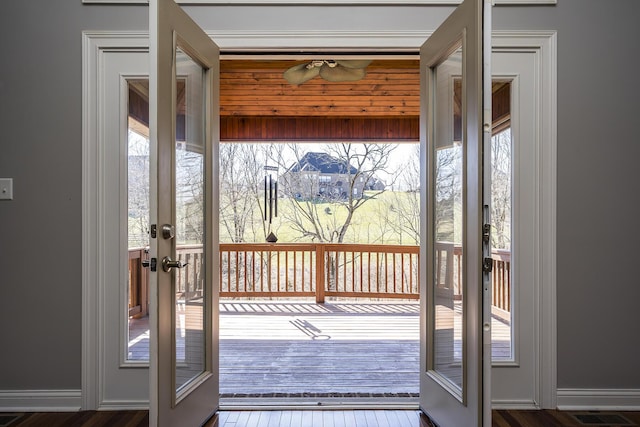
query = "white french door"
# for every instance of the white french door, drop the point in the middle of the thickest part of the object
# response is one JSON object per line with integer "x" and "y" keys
{"x": 455, "y": 333}
{"x": 183, "y": 107}
{"x": 455, "y": 300}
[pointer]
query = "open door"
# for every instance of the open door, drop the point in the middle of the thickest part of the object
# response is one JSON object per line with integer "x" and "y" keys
{"x": 455, "y": 307}
{"x": 184, "y": 69}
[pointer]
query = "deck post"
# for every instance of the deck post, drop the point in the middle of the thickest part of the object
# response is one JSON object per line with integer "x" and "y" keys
{"x": 320, "y": 274}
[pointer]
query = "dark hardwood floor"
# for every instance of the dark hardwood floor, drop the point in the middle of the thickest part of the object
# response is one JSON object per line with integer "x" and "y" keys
{"x": 356, "y": 418}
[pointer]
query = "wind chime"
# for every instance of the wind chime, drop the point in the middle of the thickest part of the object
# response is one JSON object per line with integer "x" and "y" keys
{"x": 270, "y": 199}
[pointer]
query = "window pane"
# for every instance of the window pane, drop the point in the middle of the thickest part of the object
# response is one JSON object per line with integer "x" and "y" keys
{"x": 190, "y": 213}
{"x": 138, "y": 221}
{"x": 501, "y": 222}
{"x": 448, "y": 250}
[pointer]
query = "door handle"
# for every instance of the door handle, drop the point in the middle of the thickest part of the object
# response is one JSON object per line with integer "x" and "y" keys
{"x": 168, "y": 264}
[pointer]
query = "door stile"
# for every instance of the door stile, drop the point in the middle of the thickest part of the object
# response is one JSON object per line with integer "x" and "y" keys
{"x": 456, "y": 359}
{"x": 487, "y": 129}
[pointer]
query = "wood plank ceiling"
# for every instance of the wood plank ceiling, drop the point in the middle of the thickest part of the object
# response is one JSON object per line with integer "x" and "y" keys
{"x": 258, "y": 104}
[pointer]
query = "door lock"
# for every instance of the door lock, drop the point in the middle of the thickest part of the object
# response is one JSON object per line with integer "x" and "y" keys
{"x": 168, "y": 231}
{"x": 150, "y": 263}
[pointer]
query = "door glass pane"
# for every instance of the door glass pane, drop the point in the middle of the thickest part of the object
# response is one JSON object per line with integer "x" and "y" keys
{"x": 448, "y": 250}
{"x": 501, "y": 235}
{"x": 138, "y": 220}
{"x": 189, "y": 225}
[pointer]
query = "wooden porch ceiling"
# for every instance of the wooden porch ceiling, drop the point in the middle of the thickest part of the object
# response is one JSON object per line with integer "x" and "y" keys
{"x": 257, "y": 104}
{"x": 251, "y": 88}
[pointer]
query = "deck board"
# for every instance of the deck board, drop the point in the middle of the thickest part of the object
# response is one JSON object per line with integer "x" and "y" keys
{"x": 318, "y": 352}
{"x": 308, "y": 351}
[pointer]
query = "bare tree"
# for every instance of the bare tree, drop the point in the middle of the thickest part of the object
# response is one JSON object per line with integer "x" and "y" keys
{"x": 330, "y": 221}
{"x": 241, "y": 175}
{"x": 138, "y": 190}
{"x": 402, "y": 210}
{"x": 189, "y": 195}
{"x": 501, "y": 189}
{"x": 448, "y": 193}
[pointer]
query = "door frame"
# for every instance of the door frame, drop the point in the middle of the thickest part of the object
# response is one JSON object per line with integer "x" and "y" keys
{"x": 96, "y": 44}
{"x": 539, "y": 48}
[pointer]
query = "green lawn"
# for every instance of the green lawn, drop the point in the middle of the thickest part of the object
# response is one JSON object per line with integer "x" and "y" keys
{"x": 381, "y": 219}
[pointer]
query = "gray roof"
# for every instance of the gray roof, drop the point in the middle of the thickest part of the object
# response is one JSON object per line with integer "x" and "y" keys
{"x": 323, "y": 163}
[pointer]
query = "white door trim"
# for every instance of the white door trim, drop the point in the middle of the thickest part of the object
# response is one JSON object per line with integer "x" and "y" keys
{"x": 543, "y": 42}
{"x": 542, "y": 263}
{"x": 96, "y": 43}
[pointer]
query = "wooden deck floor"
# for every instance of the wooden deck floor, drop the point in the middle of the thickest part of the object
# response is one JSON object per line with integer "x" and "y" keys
{"x": 317, "y": 352}
{"x": 370, "y": 418}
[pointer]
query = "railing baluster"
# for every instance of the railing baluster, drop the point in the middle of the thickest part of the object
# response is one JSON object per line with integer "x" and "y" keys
{"x": 312, "y": 273}
{"x": 221, "y": 270}
{"x": 254, "y": 272}
{"x": 261, "y": 271}
{"x": 410, "y": 273}
{"x": 295, "y": 271}
{"x": 499, "y": 300}
{"x": 328, "y": 266}
{"x": 377, "y": 277}
{"x": 269, "y": 266}
{"x": 368, "y": 273}
{"x": 395, "y": 290}
{"x": 508, "y": 284}
{"x": 344, "y": 271}
{"x": 386, "y": 274}
{"x": 501, "y": 281}
{"x": 187, "y": 279}
{"x": 320, "y": 271}
{"x": 360, "y": 259}
{"x": 237, "y": 268}
{"x": 244, "y": 264}
{"x": 402, "y": 272}
{"x": 329, "y": 274}
{"x": 286, "y": 273}
{"x": 229, "y": 269}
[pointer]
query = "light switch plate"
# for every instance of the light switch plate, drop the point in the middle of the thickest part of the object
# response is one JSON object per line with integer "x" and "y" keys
{"x": 6, "y": 188}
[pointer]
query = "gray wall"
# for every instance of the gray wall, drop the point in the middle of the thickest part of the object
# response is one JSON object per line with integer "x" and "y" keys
{"x": 598, "y": 197}
{"x": 41, "y": 149}
{"x": 598, "y": 201}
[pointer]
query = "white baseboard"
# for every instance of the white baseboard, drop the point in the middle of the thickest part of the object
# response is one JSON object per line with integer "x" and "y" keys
{"x": 514, "y": 404}
{"x": 40, "y": 400}
{"x": 599, "y": 399}
{"x": 124, "y": 405}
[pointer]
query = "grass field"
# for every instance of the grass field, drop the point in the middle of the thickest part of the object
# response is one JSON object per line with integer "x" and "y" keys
{"x": 387, "y": 218}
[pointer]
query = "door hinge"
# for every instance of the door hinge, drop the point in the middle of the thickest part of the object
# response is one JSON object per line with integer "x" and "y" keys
{"x": 487, "y": 265}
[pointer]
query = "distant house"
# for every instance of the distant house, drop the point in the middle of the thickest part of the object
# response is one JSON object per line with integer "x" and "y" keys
{"x": 321, "y": 176}
{"x": 375, "y": 184}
